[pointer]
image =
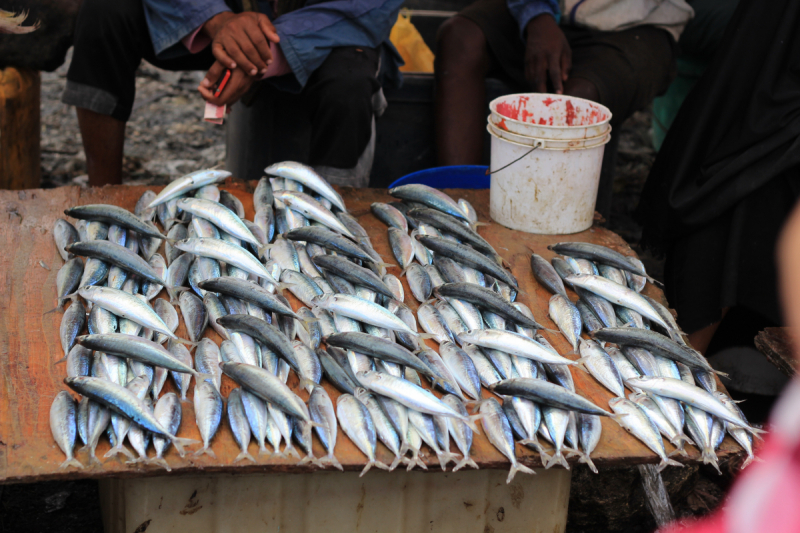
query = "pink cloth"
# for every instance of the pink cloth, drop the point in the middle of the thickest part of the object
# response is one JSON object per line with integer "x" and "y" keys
{"x": 196, "y": 41}
{"x": 765, "y": 498}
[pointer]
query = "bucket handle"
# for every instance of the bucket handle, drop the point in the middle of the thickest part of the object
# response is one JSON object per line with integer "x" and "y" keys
{"x": 538, "y": 143}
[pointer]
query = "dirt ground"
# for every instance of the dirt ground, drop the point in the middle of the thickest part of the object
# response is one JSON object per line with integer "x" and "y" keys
{"x": 166, "y": 138}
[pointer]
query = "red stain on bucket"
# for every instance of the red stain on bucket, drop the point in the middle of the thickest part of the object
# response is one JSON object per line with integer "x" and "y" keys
{"x": 550, "y": 110}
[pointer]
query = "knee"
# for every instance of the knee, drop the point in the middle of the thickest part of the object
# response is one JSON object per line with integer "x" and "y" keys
{"x": 461, "y": 46}
{"x": 99, "y": 19}
{"x": 582, "y": 88}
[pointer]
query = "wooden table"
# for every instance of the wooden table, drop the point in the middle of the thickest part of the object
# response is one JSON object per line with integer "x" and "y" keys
{"x": 777, "y": 346}
{"x": 29, "y": 344}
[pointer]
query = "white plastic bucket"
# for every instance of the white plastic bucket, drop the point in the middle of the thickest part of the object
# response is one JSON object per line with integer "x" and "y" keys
{"x": 546, "y": 184}
{"x": 549, "y": 116}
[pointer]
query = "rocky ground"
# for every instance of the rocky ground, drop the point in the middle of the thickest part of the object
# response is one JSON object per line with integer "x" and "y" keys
{"x": 166, "y": 137}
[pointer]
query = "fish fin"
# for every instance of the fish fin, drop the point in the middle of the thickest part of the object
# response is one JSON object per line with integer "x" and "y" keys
{"x": 366, "y": 468}
{"x": 381, "y": 465}
{"x": 309, "y": 459}
{"x": 471, "y": 422}
{"x": 517, "y": 467}
{"x": 53, "y": 310}
{"x": 117, "y": 450}
{"x": 205, "y": 451}
{"x": 71, "y": 462}
{"x": 442, "y": 460}
{"x": 416, "y": 461}
{"x": 160, "y": 461}
{"x": 617, "y": 416}
{"x": 62, "y": 360}
{"x": 750, "y": 459}
{"x": 307, "y": 384}
{"x": 403, "y": 447}
{"x": 384, "y": 265}
{"x": 331, "y": 460}
{"x": 397, "y": 460}
{"x": 174, "y": 293}
{"x": 755, "y": 432}
{"x": 291, "y": 451}
{"x": 667, "y": 462}
{"x": 558, "y": 458}
{"x": 584, "y": 458}
{"x": 426, "y": 336}
{"x": 720, "y": 373}
{"x": 136, "y": 461}
{"x": 244, "y": 455}
{"x": 654, "y": 281}
{"x": 180, "y": 442}
{"x": 466, "y": 461}
{"x": 262, "y": 450}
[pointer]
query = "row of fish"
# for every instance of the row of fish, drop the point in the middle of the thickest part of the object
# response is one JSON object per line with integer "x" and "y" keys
{"x": 634, "y": 341}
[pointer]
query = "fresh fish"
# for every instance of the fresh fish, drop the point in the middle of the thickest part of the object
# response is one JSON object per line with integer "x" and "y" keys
{"x": 357, "y": 424}
{"x": 168, "y": 213}
{"x": 462, "y": 368}
{"x": 240, "y": 426}
{"x": 446, "y": 380}
{"x": 220, "y": 216}
{"x": 68, "y": 279}
{"x": 453, "y": 320}
{"x": 419, "y": 282}
{"x": 629, "y": 318}
{"x": 95, "y": 231}
{"x": 434, "y": 324}
{"x": 181, "y": 379}
{"x": 168, "y": 413}
{"x": 601, "y": 254}
{"x": 514, "y": 343}
{"x": 467, "y": 256}
{"x": 498, "y": 430}
{"x": 451, "y": 271}
{"x": 384, "y": 429}
{"x": 314, "y": 210}
{"x": 301, "y": 286}
{"x": 323, "y": 415}
{"x": 546, "y": 275}
{"x": 601, "y": 367}
{"x": 423, "y": 255}
{"x": 545, "y": 393}
{"x": 556, "y": 421}
{"x": 472, "y": 317}
{"x": 430, "y": 197}
{"x": 264, "y": 333}
{"x": 227, "y": 253}
{"x": 452, "y": 226}
{"x": 414, "y": 444}
{"x": 330, "y": 240}
{"x": 634, "y": 420}
{"x": 488, "y": 300}
{"x": 126, "y": 403}
{"x": 79, "y": 360}
{"x": 63, "y": 426}
{"x": 624, "y": 367}
{"x": 673, "y": 434}
{"x": 644, "y": 362}
{"x": 267, "y": 387}
{"x": 195, "y": 317}
{"x": 250, "y": 292}
{"x": 140, "y": 438}
{"x": 582, "y": 266}
{"x": 168, "y": 315}
{"x": 699, "y": 425}
{"x": 618, "y": 295}
{"x": 590, "y": 321}
{"x": 207, "y": 360}
{"x": 159, "y": 266}
{"x": 378, "y": 347}
{"x": 612, "y": 273}
{"x": 97, "y": 421}
{"x": 71, "y": 325}
{"x": 636, "y": 282}
{"x": 402, "y": 248}
{"x": 208, "y": 192}
{"x": 176, "y": 233}
{"x": 468, "y": 210}
{"x": 189, "y": 182}
{"x": 389, "y": 215}
{"x": 589, "y": 431}
{"x": 308, "y": 177}
{"x": 64, "y": 234}
{"x": 208, "y": 408}
{"x": 111, "y": 214}
{"x": 425, "y": 427}
{"x": 435, "y": 275}
{"x": 691, "y": 395}
{"x": 744, "y": 439}
{"x": 409, "y": 394}
{"x": 395, "y": 286}
{"x": 363, "y": 311}
{"x": 655, "y": 343}
{"x": 461, "y": 433}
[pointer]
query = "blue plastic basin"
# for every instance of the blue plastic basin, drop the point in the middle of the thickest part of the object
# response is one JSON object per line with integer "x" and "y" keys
{"x": 454, "y": 177}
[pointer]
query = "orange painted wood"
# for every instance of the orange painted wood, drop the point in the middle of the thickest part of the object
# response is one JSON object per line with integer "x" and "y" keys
{"x": 29, "y": 343}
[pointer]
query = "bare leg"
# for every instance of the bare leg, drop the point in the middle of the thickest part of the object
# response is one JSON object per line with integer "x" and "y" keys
{"x": 103, "y": 141}
{"x": 462, "y": 62}
{"x": 701, "y": 338}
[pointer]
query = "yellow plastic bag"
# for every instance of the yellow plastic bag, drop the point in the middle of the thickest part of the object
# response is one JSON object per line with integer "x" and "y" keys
{"x": 409, "y": 43}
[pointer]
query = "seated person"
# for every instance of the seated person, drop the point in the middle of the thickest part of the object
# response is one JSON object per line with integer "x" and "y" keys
{"x": 619, "y": 53}
{"x": 327, "y": 50}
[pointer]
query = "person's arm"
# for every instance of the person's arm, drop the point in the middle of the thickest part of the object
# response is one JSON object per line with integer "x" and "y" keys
{"x": 524, "y": 11}
{"x": 170, "y": 21}
{"x": 308, "y": 34}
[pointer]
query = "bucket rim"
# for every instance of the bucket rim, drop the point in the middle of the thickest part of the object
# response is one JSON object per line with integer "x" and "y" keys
{"x": 607, "y": 131}
{"x": 493, "y": 109}
{"x": 490, "y": 128}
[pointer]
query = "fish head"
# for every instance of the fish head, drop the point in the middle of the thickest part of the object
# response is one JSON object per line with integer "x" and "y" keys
{"x": 183, "y": 203}
{"x": 184, "y": 245}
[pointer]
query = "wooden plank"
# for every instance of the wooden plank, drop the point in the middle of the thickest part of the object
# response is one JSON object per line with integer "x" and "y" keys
{"x": 777, "y": 346}
{"x": 29, "y": 342}
{"x": 20, "y": 153}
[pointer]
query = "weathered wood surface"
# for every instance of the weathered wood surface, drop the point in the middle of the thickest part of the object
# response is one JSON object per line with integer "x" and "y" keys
{"x": 777, "y": 346}
{"x": 29, "y": 344}
{"x": 20, "y": 153}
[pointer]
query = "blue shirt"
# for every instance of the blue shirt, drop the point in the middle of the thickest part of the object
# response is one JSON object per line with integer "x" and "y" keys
{"x": 525, "y": 10}
{"x": 307, "y": 34}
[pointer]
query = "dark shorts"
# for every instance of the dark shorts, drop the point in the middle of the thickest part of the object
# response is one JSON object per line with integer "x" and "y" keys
{"x": 112, "y": 38}
{"x": 629, "y": 68}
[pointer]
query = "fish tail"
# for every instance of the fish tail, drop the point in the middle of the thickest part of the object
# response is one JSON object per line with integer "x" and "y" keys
{"x": 666, "y": 461}
{"x": 558, "y": 458}
{"x": 119, "y": 449}
{"x": 517, "y": 467}
{"x": 470, "y": 421}
{"x": 330, "y": 459}
{"x": 262, "y": 450}
{"x": 679, "y": 447}
{"x": 62, "y": 360}
{"x": 367, "y": 467}
{"x": 403, "y": 447}
{"x": 426, "y": 336}
{"x": 307, "y": 384}
{"x": 291, "y": 451}
{"x": 205, "y": 450}
{"x": 750, "y": 459}
{"x": 179, "y": 443}
{"x": 416, "y": 461}
{"x": 244, "y": 455}
{"x": 160, "y": 461}
{"x": 381, "y": 465}
{"x": 588, "y": 460}
{"x": 754, "y": 431}
{"x": 710, "y": 458}
{"x": 71, "y": 461}
{"x": 397, "y": 460}
{"x": 173, "y": 293}
{"x": 466, "y": 461}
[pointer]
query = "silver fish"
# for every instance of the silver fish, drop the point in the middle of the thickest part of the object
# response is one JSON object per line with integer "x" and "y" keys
{"x": 567, "y": 318}
{"x": 189, "y": 182}
{"x": 363, "y": 311}
{"x": 63, "y": 427}
{"x": 357, "y": 424}
{"x": 461, "y": 433}
{"x": 168, "y": 314}
{"x": 430, "y": 197}
{"x": 435, "y": 275}
{"x": 267, "y": 387}
{"x": 323, "y": 414}
{"x": 699, "y": 424}
{"x": 308, "y": 177}
{"x": 419, "y": 282}
{"x": 402, "y": 248}
{"x": 220, "y": 216}
{"x": 71, "y": 324}
{"x": 64, "y": 234}
{"x": 601, "y": 367}
{"x": 68, "y": 279}
{"x": 389, "y": 215}
{"x": 231, "y": 202}
{"x": 228, "y": 253}
{"x": 395, "y": 286}
{"x": 744, "y": 439}
{"x": 462, "y": 368}
{"x": 168, "y": 413}
{"x": 589, "y": 431}
{"x": 497, "y": 429}
{"x": 514, "y": 343}
{"x": 675, "y": 435}
{"x": 127, "y": 306}
{"x": 433, "y": 323}
{"x": 427, "y": 431}
{"x": 240, "y": 426}
{"x": 208, "y": 414}
{"x": 181, "y": 379}
{"x": 468, "y": 210}
{"x": 636, "y": 422}
{"x": 383, "y": 426}
{"x": 194, "y": 315}
{"x": 208, "y": 192}
{"x": 313, "y": 209}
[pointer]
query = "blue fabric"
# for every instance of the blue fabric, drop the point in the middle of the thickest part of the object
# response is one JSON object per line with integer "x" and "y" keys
{"x": 525, "y": 10}
{"x": 307, "y": 34}
{"x": 172, "y": 20}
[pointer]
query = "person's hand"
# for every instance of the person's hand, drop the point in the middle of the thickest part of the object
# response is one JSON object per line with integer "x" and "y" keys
{"x": 238, "y": 84}
{"x": 547, "y": 52}
{"x": 242, "y": 40}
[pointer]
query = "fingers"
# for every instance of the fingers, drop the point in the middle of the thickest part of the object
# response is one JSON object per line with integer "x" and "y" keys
{"x": 540, "y": 74}
{"x": 554, "y": 69}
{"x": 261, "y": 45}
{"x": 269, "y": 30}
{"x": 221, "y": 55}
{"x": 237, "y": 86}
{"x": 245, "y": 54}
{"x": 213, "y": 74}
{"x": 566, "y": 63}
